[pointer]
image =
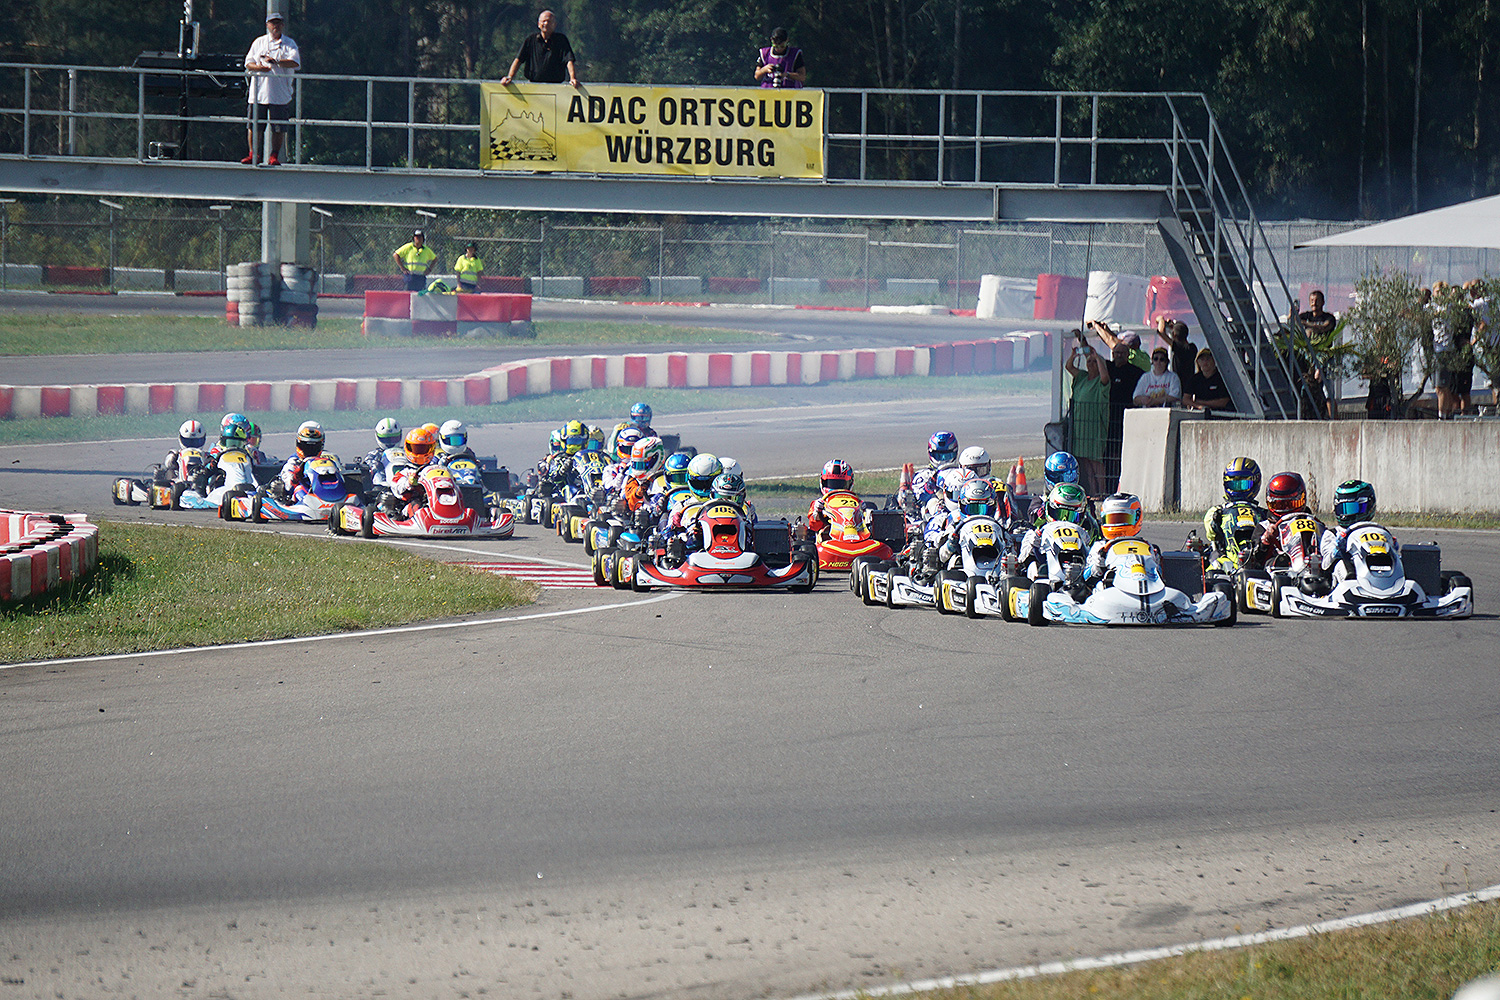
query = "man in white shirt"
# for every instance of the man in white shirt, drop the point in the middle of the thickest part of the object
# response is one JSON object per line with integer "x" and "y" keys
{"x": 1158, "y": 387}
{"x": 272, "y": 59}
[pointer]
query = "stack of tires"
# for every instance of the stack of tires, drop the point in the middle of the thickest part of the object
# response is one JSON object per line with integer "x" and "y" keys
{"x": 250, "y": 294}
{"x": 297, "y": 296}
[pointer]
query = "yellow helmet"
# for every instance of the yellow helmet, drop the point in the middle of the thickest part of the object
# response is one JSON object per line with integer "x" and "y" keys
{"x": 575, "y": 435}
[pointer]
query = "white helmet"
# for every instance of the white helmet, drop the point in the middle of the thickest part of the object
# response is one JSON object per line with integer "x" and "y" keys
{"x": 453, "y": 437}
{"x": 731, "y": 467}
{"x": 976, "y": 459}
{"x": 388, "y": 432}
{"x": 191, "y": 434}
{"x": 702, "y": 471}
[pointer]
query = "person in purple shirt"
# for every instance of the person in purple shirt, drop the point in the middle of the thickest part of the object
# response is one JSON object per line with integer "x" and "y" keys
{"x": 780, "y": 65}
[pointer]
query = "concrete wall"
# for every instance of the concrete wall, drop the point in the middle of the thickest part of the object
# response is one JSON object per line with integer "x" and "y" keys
{"x": 1419, "y": 466}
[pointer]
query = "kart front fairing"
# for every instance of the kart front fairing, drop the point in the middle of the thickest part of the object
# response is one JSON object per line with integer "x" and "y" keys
{"x": 1131, "y": 592}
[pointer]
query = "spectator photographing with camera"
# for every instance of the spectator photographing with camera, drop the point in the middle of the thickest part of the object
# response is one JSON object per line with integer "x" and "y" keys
{"x": 780, "y": 65}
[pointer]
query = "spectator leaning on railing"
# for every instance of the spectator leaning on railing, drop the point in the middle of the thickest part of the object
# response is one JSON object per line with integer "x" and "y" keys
{"x": 271, "y": 61}
{"x": 1158, "y": 387}
{"x": 547, "y": 55}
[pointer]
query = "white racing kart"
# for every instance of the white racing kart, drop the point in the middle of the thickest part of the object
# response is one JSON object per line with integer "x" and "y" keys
{"x": 1130, "y": 592}
{"x": 1370, "y": 581}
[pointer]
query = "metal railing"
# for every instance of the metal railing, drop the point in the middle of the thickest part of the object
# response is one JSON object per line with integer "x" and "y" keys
{"x": 1046, "y": 139}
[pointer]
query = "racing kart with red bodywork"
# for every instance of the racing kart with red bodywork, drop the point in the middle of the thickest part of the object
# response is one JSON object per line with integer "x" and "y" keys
{"x": 439, "y": 511}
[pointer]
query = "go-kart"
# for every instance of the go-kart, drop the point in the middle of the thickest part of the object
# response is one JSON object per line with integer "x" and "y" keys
{"x": 974, "y": 582}
{"x": 326, "y": 487}
{"x": 232, "y": 474}
{"x": 849, "y": 534}
{"x": 440, "y": 511}
{"x": 908, "y": 580}
{"x": 189, "y": 467}
{"x": 1131, "y": 591}
{"x": 1374, "y": 579}
{"x": 726, "y": 557}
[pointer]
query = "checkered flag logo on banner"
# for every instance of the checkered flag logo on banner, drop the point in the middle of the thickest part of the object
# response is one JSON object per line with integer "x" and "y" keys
{"x": 526, "y": 135}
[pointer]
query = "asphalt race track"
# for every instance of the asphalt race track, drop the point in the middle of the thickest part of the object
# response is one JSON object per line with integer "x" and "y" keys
{"x": 720, "y": 795}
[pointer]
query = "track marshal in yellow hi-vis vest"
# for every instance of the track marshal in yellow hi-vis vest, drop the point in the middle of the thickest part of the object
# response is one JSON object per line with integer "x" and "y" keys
{"x": 415, "y": 260}
{"x": 683, "y": 131}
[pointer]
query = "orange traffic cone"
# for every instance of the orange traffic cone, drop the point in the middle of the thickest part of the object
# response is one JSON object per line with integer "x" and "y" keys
{"x": 1016, "y": 481}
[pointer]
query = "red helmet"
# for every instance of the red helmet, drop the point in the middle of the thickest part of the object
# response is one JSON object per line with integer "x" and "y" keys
{"x": 1286, "y": 493}
{"x": 837, "y": 475}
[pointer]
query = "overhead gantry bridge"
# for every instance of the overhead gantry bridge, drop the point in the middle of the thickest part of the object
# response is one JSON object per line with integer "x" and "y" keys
{"x": 952, "y": 156}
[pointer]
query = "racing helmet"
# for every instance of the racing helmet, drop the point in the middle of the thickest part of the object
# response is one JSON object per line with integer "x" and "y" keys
{"x": 731, "y": 466}
{"x": 595, "y": 443}
{"x": 1065, "y": 502}
{"x": 453, "y": 437}
{"x": 837, "y": 475}
{"x": 253, "y": 441}
{"x": 309, "y": 439}
{"x": 953, "y": 481}
{"x": 1241, "y": 479}
{"x": 432, "y": 427}
{"x": 234, "y": 436}
{"x": 676, "y": 468}
{"x": 975, "y": 459}
{"x": 640, "y": 415}
{"x": 1060, "y": 467}
{"x": 1353, "y": 502}
{"x": 388, "y": 432}
{"x": 1286, "y": 493}
{"x": 420, "y": 445}
{"x": 625, "y": 442}
{"x": 942, "y": 447}
{"x": 574, "y": 435}
{"x": 555, "y": 444}
{"x": 729, "y": 486}
{"x": 234, "y": 430}
{"x": 702, "y": 471}
{"x": 648, "y": 457}
{"x": 191, "y": 434}
{"x": 977, "y": 497}
{"x": 1121, "y": 515}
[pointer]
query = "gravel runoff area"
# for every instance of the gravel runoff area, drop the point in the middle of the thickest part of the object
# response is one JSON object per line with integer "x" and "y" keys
{"x": 659, "y": 934}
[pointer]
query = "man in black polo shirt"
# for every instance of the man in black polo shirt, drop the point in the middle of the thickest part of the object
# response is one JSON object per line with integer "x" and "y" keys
{"x": 547, "y": 55}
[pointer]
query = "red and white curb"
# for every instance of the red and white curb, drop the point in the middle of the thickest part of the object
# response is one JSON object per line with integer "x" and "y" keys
{"x": 1170, "y": 951}
{"x": 551, "y": 577}
{"x": 41, "y": 552}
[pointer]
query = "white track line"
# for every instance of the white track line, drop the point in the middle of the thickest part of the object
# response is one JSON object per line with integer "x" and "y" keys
{"x": 1170, "y": 951}
{"x": 366, "y": 634}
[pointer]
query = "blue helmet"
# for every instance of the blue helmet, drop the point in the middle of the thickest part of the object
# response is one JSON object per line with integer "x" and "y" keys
{"x": 677, "y": 468}
{"x": 640, "y": 415}
{"x": 1060, "y": 468}
{"x": 943, "y": 447}
{"x": 1241, "y": 479}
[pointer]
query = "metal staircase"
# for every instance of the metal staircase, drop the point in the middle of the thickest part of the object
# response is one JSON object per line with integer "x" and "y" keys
{"x": 1218, "y": 246}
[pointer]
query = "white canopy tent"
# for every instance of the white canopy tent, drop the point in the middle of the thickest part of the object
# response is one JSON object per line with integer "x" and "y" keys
{"x": 1472, "y": 225}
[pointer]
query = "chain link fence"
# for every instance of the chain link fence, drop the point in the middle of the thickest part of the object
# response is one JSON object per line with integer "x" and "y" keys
{"x": 153, "y": 245}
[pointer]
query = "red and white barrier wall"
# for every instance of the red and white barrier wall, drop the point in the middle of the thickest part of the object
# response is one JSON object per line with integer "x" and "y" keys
{"x": 534, "y": 377}
{"x": 408, "y": 314}
{"x": 40, "y": 552}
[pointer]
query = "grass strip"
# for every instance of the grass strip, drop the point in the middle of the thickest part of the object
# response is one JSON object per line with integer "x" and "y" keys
{"x": 87, "y": 333}
{"x": 168, "y": 586}
{"x": 1423, "y": 958}
{"x": 600, "y": 406}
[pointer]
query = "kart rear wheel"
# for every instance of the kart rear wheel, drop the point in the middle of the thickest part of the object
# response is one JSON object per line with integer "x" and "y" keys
{"x": 945, "y": 578}
{"x": 367, "y": 523}
{"x": 1012, "y": 583}
{"x": 1227, "y": 589}
{"x": 1242, "y": 592}
{"x": 599, "y": 580}
{"x": 971, "y": 609}
{"x": 545, "y": 520}
{"x": 1452, "y": 580}
{"x": 1276, "y": 598}
{"x": 588, "y": 536}
{"x": 890, "y": 590}
{"x": 622, "y": 562}
{"x": 1039, "y": 592}
{"x": 856, "y": 583}
{"x": 635, "y": 579}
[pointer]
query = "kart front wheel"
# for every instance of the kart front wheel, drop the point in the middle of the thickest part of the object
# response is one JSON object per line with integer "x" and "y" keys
{"x": 256, "y": 517}
{"x": 1227, "y": 589}
{"x": 1008, "y": 588}
{"x": 367, "y": 522}
{"x": 599, "y": 578}
{"x": 1039, "y": 593}
{"x": 177, "y": 490}
{"x": 1276, "y": 598}
{"x": 971, "y": 609}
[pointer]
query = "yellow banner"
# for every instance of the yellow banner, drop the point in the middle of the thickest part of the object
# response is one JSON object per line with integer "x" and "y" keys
{"x": 684, "y": 131}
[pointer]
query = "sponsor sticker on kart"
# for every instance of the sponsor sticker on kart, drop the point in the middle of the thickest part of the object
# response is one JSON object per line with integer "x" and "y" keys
{"x": 1380, "y": 611}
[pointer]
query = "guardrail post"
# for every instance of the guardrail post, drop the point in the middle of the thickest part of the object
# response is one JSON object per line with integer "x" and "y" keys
{"x": 26, "y": 115}
{"x": 1057, "y": 143}
{"x": 72, "y": 110}
{"x": 297, "y": 133}
{"x": 942, "y": 131}
{"x": 1094, "y": 143}
{"x": 369, "y": 123}
{"x": 411, "y": 116}
{"x": 140, "y": 118}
